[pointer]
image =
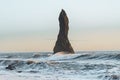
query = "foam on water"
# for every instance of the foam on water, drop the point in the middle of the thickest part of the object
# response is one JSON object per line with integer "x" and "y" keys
{"x": 63, "y": 56}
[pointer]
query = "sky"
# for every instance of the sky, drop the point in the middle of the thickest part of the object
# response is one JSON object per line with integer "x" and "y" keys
{"x": 32, "y": 25}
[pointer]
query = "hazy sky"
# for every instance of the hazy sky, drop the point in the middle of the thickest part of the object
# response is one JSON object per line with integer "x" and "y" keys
{"x": 32, "y": 25}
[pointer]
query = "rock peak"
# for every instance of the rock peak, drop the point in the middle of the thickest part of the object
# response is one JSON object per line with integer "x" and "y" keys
{"x": 62, "y": 43}
{"x": 63, "y": 12}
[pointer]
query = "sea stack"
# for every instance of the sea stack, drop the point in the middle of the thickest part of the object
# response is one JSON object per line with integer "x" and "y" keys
{"x": 62, "y": 43}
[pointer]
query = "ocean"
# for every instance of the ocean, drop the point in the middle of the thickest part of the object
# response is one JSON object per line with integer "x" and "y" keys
{"x": 83, "y": 65}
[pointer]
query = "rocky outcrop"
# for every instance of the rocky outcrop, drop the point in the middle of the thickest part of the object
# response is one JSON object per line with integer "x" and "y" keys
{"x": 62, "y": 43}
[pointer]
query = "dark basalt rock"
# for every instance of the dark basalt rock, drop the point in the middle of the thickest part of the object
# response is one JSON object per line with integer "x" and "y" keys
{"x": 30, "y": 62}
{"x": 10, "y": 67}
{"x": 62, "y": 43}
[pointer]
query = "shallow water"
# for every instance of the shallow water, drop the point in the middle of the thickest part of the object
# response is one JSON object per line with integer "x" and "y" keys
{"x": 84, "y": 65}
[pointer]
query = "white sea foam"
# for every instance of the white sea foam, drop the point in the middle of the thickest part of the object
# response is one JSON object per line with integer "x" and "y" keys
{"x": 63, "y": 56}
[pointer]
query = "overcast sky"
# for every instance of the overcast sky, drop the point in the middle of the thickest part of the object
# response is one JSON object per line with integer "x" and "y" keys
{"x": 32, "y": 25}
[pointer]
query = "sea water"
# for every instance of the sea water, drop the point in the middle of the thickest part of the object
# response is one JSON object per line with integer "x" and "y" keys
{"x": 83, "y": 65}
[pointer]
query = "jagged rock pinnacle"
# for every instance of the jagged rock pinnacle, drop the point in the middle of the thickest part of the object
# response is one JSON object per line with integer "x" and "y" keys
{"x": 62, "y": 43}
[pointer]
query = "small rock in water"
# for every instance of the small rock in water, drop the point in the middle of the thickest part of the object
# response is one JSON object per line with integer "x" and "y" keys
{"x": 10, "y": 67}
{"x": 30, "y": 62}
